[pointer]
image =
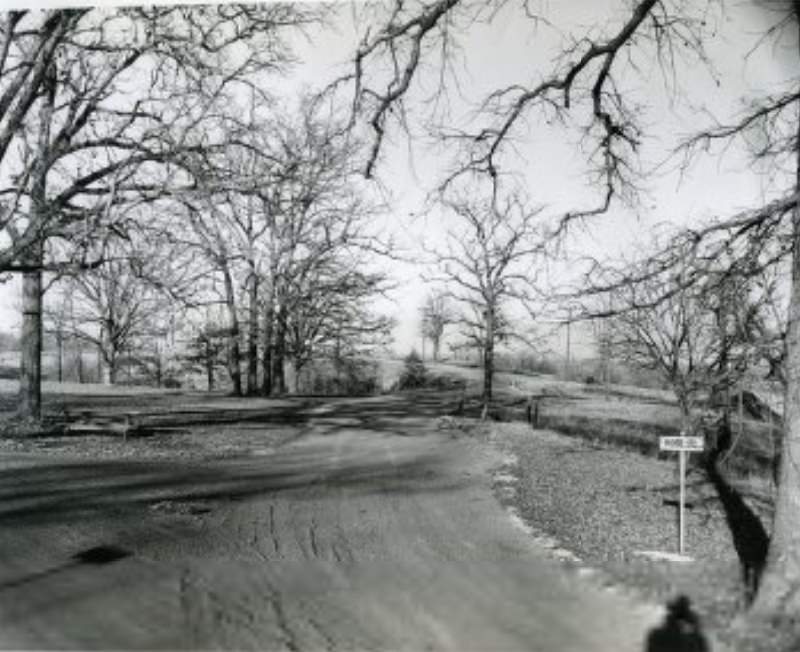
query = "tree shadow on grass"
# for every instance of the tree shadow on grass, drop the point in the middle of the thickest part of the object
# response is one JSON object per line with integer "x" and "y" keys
{"x": 750, "y": 538}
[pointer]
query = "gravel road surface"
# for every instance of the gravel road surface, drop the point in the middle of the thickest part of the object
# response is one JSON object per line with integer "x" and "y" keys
{"x": 370, "y": 530}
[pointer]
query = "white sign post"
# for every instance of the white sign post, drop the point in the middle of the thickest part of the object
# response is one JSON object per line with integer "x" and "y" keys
{"x": 683, "y": 445}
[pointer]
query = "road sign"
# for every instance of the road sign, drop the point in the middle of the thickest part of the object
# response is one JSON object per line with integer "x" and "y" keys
{"x": 683, "y": 445}
{"x": 689, "y": 444}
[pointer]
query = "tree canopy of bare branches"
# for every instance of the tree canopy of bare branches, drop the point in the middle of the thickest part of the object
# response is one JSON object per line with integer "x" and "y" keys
{"x": 102, "y": 107}
{"x": 282, "y": 221}
{"x": 435, "y": 313}
{"x": 488, "y": 262}
{"x": 584, "y": 86}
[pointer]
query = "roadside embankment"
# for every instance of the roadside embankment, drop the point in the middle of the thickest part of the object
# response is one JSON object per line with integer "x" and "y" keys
{"x": 607, "y": 505}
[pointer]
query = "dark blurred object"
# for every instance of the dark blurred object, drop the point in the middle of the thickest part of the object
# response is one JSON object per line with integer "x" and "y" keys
{"x": 100, "y": 555}
{"x": 96, "y": 556}
{"x": 680, "y": 632}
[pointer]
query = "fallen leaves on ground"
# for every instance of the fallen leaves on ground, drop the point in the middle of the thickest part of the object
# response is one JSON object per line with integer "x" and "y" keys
{"x": 197, "y": 443}
{"x": 607, "y": 505}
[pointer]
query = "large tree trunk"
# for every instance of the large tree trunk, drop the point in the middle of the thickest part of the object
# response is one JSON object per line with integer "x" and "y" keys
{"x": 298, "y": 367}
{"x": 720, "y": 394}
{"x": 159, "y": 369}
{"x": 266, "y": 359}
{"x": 79, "y": 361}
{"x": 234, "y": 354}
{"x": 779, "y": 592}
{"x": 252, "y": 336}
{"x": 279, "y": 354}
{"x": 99, "y": 354}
{"x": 60, "y": 355}
{"x": 30, "y": 383}
{"x": 488, "y": 359}
{"x": 30, "y": 380}
{"x": 209, "y": 363}
{"x": 112, "y": 367}
{"x": 233, "y": 334}
{"x": 337, "y": 361}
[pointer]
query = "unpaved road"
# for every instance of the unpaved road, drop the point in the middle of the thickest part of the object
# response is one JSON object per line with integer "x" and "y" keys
{"x": 370, "y": 531}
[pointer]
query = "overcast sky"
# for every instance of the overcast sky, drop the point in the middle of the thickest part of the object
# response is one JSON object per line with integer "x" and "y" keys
{"x": 513, "y": 50}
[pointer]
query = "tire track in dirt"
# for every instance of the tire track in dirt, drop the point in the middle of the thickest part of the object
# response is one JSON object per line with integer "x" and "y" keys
{"x": 273, "y": 532}
{"x": 282, "y": 621}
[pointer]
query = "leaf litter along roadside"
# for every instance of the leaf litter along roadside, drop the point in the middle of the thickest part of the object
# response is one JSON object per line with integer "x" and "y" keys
{"x": 598, "y": 506}
{"x": 196, "y": 442}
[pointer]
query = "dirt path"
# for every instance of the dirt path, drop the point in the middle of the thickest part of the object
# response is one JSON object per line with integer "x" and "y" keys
{"x": 372, "y": 531}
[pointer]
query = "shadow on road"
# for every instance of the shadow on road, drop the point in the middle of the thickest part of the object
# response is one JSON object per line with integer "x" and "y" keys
{"x": 64, "y": 492}
{"x": 387, "y": 413}
{"x": 95, "y": 556}
{"x": 153, "y": 414}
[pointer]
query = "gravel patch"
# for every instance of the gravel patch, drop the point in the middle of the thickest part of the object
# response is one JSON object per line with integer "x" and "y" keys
{"x": 598, "y": 508}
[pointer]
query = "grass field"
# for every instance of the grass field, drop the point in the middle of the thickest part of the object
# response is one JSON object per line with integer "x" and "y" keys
{"x": 625, "y": 416}
{"x": 621, "y": 415}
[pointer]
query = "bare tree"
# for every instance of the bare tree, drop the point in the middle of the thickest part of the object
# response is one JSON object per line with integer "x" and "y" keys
{"x": 318, "y": 216}
{"x": 704, "y": 339}
{"x": 115, "y": 309}
{"x": 770, "y": 126}
{"x": 472, "y": 327}
{"x": 279, "y": 209}
{"x": 408, "y": 39}
{"x": 489, "y": 261}
{"x": 331, "y": 318}
{"x": 673, "y": 333}
{"x": 78, "y": 133}
{"x": 211, "y": 230}
{"x": 435, "y": 314}
{"x": 602, "y": 335}
{"x": 206, "y": 348}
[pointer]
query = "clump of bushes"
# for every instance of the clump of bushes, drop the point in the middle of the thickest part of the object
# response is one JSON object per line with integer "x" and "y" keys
{"x": 438, "y": 381}
{"x": 526, "y": 363}
{"x": 344, "y": 377}
{"x": 416, "y": 376}
{"x": 414, "y": 372}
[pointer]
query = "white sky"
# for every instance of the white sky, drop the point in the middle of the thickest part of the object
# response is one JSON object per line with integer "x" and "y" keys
{"x": 510, "y": 50}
